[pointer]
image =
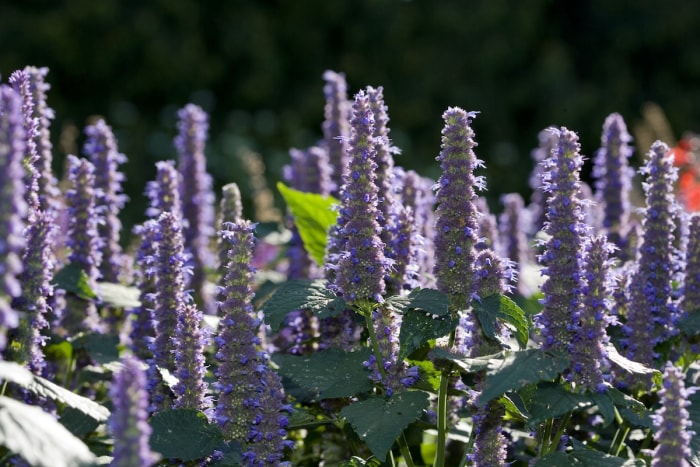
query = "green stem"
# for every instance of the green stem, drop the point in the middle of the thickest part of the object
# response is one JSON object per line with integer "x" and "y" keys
{"x": 546, "y": 435}
{"x": 442, "y": 411}
{"x": 405, "y": 451}
{"x": 375, "y": 343}
{"x": 557, "y": 436}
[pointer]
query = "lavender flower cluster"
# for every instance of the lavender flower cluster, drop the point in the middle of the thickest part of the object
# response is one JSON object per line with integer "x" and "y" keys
{"x": 395, "y": 232}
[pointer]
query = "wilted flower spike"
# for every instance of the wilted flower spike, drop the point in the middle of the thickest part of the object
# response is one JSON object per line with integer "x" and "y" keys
{"x": 613, "y": 178}
{"x": 336, "y": 128}
{"x": 457, "y": 219}
{"x": 588, "y": 352}
{"x": 672, "y": 421}
{"x": 128, "y": 422}
{"x": 101, "y": 148}
{"x": 652, "y": 314}
{"x": 563, "y": 255}
{"x": 250, "y": 405}
{"x": 362, "y": 265}
{"x": 84, "y": 242}
{"x": 197, "y": 197}
{"x": 13, "y": 208}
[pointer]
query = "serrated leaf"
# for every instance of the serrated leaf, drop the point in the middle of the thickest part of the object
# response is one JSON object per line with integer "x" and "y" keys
{"x": 118, "y": 295}
{"x": 690, "y": 323}
{"x": 73, "y": 279}
{"x": 102, "y": 348}
{"x": 606, "y": 407}
{"x": 552, "y": 401}
{"x": 327, "y": 374}
{"x": 39, "y": 438}
{"x": 499, "y": 307}
{"x": 313, "y": 215}
{"x": 630, "y": 409}
{"x": 14, "y": 373}
{"x": 430, "y": 301}
{"x": 517, "y": 369}
{"x": 183, "y": 434}
{"x": 301, "y": 295}
{"x": 417, "y": 328}
{"x": 630, "y": 366}
{"x": 77, "y": 422}
{"x": 379, "y": 421}
{"x": 467, "y": 365}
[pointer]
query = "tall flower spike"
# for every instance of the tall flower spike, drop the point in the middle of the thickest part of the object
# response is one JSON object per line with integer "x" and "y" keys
{"x": 457, "y": 218}
{"x": 418, "y": 195}
{"x": 249, "y": 407}
{"x": 36, "y": 290}
{"x": 101, "y": 148}
{"x": 128, "y": 422}
{"x": 20, "y": 83}
{"x": 84, "y": 242}
{"x": 690, "y": 301}
{"x": 13, "y": 208}
{"x": 190, "y": 342}
{"x": 170, "y": 302}
{"x": 197, "y": 197}
{"x": 563, "y": 251}
{"x": 336, "y": 128}
{"x": 591, "y": 365}
{"x": 672, "y": 421}
{"x": 536, "y": 208}
{"x": 142, "y": 325}
{"x": 488, "y": 226}
{"x": 164, "y": 192}
{"x": 513, "y": 241}
{"x": 613, "y": 179}
{"x": 361, "y": 266}
{"x": 652, "y": 313}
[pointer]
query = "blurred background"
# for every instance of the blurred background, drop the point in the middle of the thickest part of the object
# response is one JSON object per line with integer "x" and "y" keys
{"x": 256, "y": 67}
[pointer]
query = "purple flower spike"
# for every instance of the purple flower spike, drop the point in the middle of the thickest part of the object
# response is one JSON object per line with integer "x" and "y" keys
{"x": 250, "y": 404}
{"x": 537, "y": 210}
{"x": 164, "y": 191}
{"x": 418, "y": 195}
{"x": 513, "y": 241}
{"x": 588, "y": 350}
{"x": 672, "y": 421}
{"x": 190, "y": 342}
{"x": 20, "y": 83}
{"x": 613, "y": 179}
{"x": 128, "y": 422}
{"x": 563, "y": 254}
{"x": 457, "y": 218}
{"x": 490, "y": 445}
{"x": 652, "y": 314}
{"x": 170, "y": 300}
{"x": 13, "y": 208}
{"x": 142, "y": 325}
{"x": 336, "y": 128}
{"x": 690, "y": 302}
{"x": 85, "y": 244}
{"x": 361, "y": 265}
{"x": 488, "y": 226}
{"x": 36, "y": 288}
{"x": 197, "y": 197}
{"x": 101, "y": 148}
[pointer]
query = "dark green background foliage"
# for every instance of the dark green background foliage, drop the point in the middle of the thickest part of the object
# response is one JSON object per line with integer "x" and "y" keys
{"x": 256, "y": 67}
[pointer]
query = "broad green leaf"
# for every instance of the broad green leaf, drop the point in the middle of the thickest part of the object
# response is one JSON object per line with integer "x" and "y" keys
{"x": 39, "y": 438}
{"x": 513, "y": 410}
{"x": 183, "y": 434}
{"x": 118, "y": 295}
{"x": 102, "y": 348}
{"x": 327, "y": 374}
{"x": 499, "y": 307}
{"x": 467, "y": 365}
{"x": 690, "y": 324}
{"x": 418, "y": 327}
{"x": 74, "y": 280}
{"x": 14, "y": 373}
{"x": 430, "y": 377}
{"x": 231, "y": 455}
{"x": 586, "y": 458}
{"x": 694, "y": 415}
{"x": 430, "y": 301}
{"x": 313, "y": 216}
{"x": 630, "y": 366}
{"x": 606, "y": 407}
{"x": 630, "y": 409}
{"x": 77, "y": 422}
{"x": 552, "y": 401}
{"x": 517, "y": 369}
{"x": 379, "y": 421}
{"x": 301, "y": 295}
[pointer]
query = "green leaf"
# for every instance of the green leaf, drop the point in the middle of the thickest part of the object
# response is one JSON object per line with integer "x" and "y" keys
{"x": 39, "y": 438}
{"x": 513, "y": 370}
{"x": 379, "y": 421}
{"x": 102, "y": 348}
{"x": 497, "y": 306}
{"x": 694, "y": 416}
{"x": 327, "y": 374}
{"x": 690, "y": 324}
{"x": 231, "y": 455}
{"x": 418, "y": 327}
{"x": 301, "y": 295}
{"x": 430, "y": 301}
{"x": 552, "y": 401}
{"x": 183, "y": 434}
{"x": 630, "y": 366}
{"x": 77, "y": 422}
{"x": 118, "y": 295}
{"x": 313, "y": 216}
{"x": 630, "y": 409}
{"x": 586, "y": 458}
{"x": 360, "y": 462}
{"x": 14, "y": 373}
{"x": 74, "y": 280}
{"x": 606, "y": 407}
